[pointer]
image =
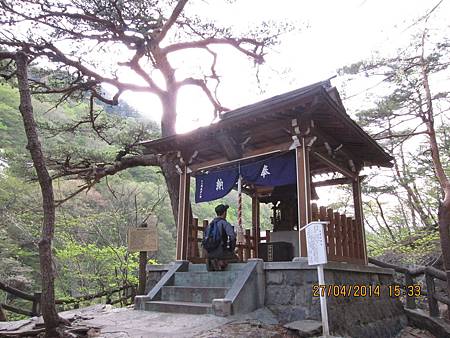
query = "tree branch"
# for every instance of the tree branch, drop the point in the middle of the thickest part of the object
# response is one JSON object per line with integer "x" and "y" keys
{"x": 7, "y": 55}
{"x": 173, "y": 18}
{"x": 218, "y": 108}
{"x": 236, "y": 43}
{"x": 400, "y": 135}
{"x": 95, "y": 173}
{"x": 429, "y": 120}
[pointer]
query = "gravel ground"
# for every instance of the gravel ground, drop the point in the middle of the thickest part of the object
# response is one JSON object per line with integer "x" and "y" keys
{"x": 108, "y": 322}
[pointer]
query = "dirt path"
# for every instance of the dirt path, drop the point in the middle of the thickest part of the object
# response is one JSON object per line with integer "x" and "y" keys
{"x": 108, "y": 322}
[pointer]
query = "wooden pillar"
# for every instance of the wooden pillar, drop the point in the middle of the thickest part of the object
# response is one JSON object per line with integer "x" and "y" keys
{"x": 203, "y": 251}
{"x": 183, "y": 215}
{"x": 433, "y": 304}
{"x": 255, "y": 225}
{"x": 332, "y": 231}
{"x": 303, "y": 192}
{"x": 410, "y": 300}
{"x": 357, "y": 202}
{"x": 193, "y": 239}
{"x": 258, "y": 227}
{"x": 142, "y": 269}
{"x": 248, "y": 245}
{"x": 345, "y": 241}
{"x": 3, "y": 317}
{"x": 36, "y": 307}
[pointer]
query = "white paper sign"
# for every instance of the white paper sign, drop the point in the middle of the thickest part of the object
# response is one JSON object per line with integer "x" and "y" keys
{"x": 316, "y": 245}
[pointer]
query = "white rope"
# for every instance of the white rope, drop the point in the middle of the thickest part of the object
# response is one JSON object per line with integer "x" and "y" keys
{"x": 240, "y": 230}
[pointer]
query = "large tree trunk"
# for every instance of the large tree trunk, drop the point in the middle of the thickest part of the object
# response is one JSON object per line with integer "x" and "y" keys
{"x": 48, "y": 308}
{"x": 168, "y": 162}
{"x": 444, "y": 232}
{"x": 444, "y": 207}
{"x": 172, "y": 179}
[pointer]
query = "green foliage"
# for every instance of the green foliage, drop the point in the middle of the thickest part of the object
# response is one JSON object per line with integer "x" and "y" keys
{"x": 91, "y": 228}
{"x": 408, "y": 248}
{"x": 84, "y": 267}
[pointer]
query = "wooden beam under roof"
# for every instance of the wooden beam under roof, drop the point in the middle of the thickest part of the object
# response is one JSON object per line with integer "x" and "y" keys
{"x": 246, "y": 155}
{"x": 331, "y": 140}
{"x": 335, "y": 181}
{"x": 335, "y": 165}
{"x": 254, "y": 133}
{"x": 229, "y": 147}
{"x": 263, "y": 129}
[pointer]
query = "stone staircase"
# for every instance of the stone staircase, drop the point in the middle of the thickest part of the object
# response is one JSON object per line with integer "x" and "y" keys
{"x": 194, "y": 290}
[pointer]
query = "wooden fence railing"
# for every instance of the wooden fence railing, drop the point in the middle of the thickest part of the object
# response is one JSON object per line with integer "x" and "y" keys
{"x": 432, "y": 296}
{"x": 196, "y": 254}
{"x": 125, "y": 293}
{"x": 343, "y": 235}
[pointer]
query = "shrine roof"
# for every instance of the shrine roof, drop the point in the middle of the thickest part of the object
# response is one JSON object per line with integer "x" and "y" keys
{"x": 267, "y": 125}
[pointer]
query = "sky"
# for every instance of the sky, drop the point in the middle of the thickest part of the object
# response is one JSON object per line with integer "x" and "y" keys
{"x": 327, "y": 35}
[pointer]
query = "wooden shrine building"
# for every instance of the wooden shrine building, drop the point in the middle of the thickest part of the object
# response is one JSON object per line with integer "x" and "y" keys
{"x": 288, "y": 140}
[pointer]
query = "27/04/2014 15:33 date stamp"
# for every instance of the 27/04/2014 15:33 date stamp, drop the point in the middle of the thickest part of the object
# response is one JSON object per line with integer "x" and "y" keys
{"x": 359, "y": 290}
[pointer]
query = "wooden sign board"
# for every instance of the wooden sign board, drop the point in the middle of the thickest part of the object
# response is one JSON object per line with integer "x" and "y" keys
{"x": 316, "y": 245}
{"x": 142, "y": 239}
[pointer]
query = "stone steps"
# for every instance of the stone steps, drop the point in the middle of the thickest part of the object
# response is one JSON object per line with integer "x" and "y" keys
{"x": 179, "y": 307}
{"x": 193, "y": 291}
{"x": 205, "y": 279}
{"x": 196, "y": 294}
{"x": 230, "y": 267}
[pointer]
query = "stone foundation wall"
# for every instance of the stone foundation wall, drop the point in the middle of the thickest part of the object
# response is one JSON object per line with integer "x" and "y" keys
{"x": 289, "y": 294}
{"x": 154, "y": 274}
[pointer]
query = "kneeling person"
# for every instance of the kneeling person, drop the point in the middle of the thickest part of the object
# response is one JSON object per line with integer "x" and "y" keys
{"x": 219, "y": 241}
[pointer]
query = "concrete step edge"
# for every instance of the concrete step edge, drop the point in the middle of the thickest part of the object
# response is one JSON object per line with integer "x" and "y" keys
{"x": 179, "y": 287}
{"x": 226, "y": 272}
{"x": 166, "y": 302}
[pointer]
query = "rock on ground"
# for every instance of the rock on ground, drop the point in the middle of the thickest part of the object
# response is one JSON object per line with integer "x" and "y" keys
{"x": 412, "y": 332}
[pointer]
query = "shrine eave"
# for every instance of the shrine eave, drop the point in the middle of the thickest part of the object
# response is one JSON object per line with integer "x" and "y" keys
{"x": 267, "y": 125}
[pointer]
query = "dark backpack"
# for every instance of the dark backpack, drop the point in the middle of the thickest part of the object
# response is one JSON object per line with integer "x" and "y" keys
{"x": 212, "y": 237}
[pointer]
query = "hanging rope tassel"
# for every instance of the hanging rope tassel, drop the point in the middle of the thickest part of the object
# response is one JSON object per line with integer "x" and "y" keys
{"x": 240, "y": 230}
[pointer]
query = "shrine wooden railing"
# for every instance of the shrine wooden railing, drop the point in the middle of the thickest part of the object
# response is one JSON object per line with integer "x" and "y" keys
{"x": 123, "y": 295}
{"x": 196, "y": 254}
{"x": 413, "y": 289}
{"x": 343, "y": 235}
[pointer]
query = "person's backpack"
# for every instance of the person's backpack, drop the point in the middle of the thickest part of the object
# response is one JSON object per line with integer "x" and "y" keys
{"x": 212, "y": 237}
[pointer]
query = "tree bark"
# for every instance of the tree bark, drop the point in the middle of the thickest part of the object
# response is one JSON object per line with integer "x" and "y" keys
{"x": 169, "y": 115}
{"x": 3, "y": 317}
{"x": 48, "y": 308}
{"x": 172, "y": 179}
{"x": 444, "y": 182}
{"x": 402, "y": 178}
{"x": 384, "y": 220}
{"x": 168, "y": 128}
{"x": 444, "y": 232}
